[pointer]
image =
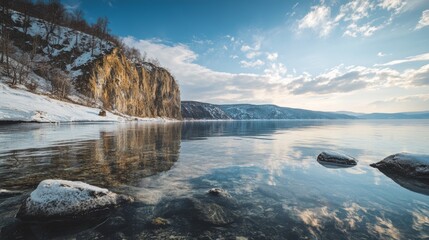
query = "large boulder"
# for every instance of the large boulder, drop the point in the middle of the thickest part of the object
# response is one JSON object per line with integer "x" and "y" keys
{"x": 336, "y": 159}
{"x": 67, "y": 200}
{"x": 405, "y": 164}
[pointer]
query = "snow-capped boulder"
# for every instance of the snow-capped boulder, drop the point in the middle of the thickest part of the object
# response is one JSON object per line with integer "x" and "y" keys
{"x": 405, "y": 164}
{"x": 336, "y": 159}
{"x": 65, "y": 200}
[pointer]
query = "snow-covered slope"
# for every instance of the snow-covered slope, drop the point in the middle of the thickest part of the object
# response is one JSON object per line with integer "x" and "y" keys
{"x": 198, "y": 110}
{"x": 249, "y": 111}
{"x": 65, "y": 47}
{"x": 21, "y": 105}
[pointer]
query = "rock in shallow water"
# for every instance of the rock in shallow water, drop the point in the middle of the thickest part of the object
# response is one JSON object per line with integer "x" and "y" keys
{"x": 196, "y": 211}
{"x": 405, "y": 164}
{"x": 328, "y": 158}
{"x": 219, "y": 192}
{"x": 67, "y": 200}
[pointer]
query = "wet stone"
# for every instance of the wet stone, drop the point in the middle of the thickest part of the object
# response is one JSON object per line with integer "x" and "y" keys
{"x": 160, "y": 222}
{"x": 331, "y": 158}
{"x": 219, "y": 192}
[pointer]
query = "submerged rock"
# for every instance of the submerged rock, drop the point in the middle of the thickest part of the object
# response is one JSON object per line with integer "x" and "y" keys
{"x": 219, "y": 192}
{"x": 8, "y": 193}
{"x": 336, "y": 159}
{"x": 405, "y": 164}
{"x": 213, "y": 213}
{"x": 160, "y": 222}
{"x": 67, "y": 200}
{"x": 196, "y": 211}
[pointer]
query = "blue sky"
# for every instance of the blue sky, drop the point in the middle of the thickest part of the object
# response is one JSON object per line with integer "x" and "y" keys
{"x": 361, "y": 55}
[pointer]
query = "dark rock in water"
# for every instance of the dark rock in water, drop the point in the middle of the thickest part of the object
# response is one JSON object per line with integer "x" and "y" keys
{"x": 8, "y": 193}
{"x": 160, "y": 222}
{"x": 336, "y": 160}
{"x": 115, "y": 222}
{"x": 212, "y": 213}
{"x": 196, "y": 211}
{"x": 68, "y": 200}
{"x": 405, "y": 164}
{"x": 219, "y": 192}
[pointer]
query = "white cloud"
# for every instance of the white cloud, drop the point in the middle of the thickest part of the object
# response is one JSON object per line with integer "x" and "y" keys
{"x": 276, "y": 71}
{"x": 248, "y": 64}
{"x": 256, "y": 47}
{"x": 353, "y": 30}
{"x": 356, "y": 10}
{"x": 347, "y": 79}
{"x": 357, "y": 15}
{"x": 252, "y": 54}
{"x": 381, "y": 54}
{"x": 245, "y": 48}
{"x": 417, "y": 102}
{"x": 272, "y": 56}
{"x": 319, "y": 20}
{"x": 416, "y": 58}
{"x": 424, "y": 20}
{"x": 396, "y": 5}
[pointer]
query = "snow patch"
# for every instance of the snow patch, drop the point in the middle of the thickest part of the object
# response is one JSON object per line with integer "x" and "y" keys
{"x": 20, "y": 105}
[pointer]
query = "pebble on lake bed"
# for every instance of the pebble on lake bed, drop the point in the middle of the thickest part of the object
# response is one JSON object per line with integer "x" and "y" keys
{"x": 160, "y": 222}
{"x": 336, "y": 158}
{"x": 67, "y": 200}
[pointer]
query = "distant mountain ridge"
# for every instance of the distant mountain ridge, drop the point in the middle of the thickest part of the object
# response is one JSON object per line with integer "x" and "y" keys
{"x": 401, "y": 115}
{"x": 207, "y": 111}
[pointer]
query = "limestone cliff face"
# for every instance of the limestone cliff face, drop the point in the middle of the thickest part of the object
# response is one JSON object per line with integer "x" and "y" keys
{"x": 137, "y": 90}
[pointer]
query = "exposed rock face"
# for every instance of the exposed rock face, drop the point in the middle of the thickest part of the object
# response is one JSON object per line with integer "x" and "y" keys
{"x": 336, "y": 159}
{"x": 137, "y": 90}
{"x": 405, "y": 164}
{"x": 61, "y": 200}
{"x": 98, "y": 70}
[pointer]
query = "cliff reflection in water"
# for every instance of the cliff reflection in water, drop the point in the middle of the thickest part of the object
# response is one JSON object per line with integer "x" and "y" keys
{"x": 120, "y": 154}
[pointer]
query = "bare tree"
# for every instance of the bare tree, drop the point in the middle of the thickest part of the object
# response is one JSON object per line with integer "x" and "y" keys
{"x": 54, "y": 15}
{"x": 60, "y": 82}
{"x": 21, "y": 68}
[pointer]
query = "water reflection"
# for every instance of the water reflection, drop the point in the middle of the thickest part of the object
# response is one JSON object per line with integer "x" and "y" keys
{"x": 412, "y": 184}
{"x": 269, "y": 168}
{"x": 121, "y": 154}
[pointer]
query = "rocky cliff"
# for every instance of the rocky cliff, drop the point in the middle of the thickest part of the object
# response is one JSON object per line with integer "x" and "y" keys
{"x": 98, "y": 72}
{"x": 142, "y": 90}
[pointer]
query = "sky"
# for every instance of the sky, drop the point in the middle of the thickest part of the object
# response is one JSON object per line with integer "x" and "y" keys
{"x": 329, "y": 55}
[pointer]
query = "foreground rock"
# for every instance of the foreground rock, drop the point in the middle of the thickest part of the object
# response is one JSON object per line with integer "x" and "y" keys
{"x": 405, "y": 164}
{"x": 196, "y": 211}
{"x": 68, "y": 200}
{"x": 335, "y": 159}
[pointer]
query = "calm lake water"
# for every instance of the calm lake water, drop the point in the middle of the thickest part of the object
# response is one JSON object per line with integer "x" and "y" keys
{"x": 278, "y": 189}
